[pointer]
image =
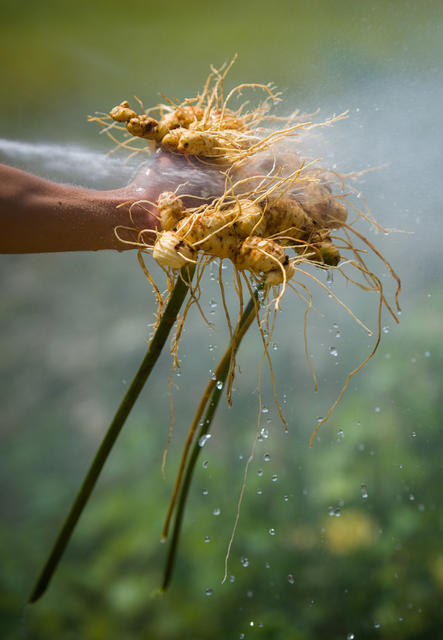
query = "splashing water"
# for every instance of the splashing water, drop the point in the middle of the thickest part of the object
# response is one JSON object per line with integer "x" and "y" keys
{"x": 65, "y": 162}
{"x": 81, "y": 166}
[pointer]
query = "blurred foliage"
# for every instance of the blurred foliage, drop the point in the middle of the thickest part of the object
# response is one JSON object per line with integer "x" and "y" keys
{"x": 357, "y": 520}
{"x": 67, "y": 60}
{"x": 355, "y": 542}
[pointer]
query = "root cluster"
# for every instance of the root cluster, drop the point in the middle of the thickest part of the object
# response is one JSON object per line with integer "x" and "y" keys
{"x": 278, "y": 213}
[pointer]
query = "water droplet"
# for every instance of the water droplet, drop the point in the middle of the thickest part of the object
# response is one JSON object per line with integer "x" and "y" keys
{"x": 272, "y": 532}
{"x": 259, "y": 492}
{"x": 211, "y": 347}
{"x": 267, "y": 457}
{"x": 274, "y": 346}
{"x": 209, "y": 592}
{"x": 205, "y": 464}
{"x": 251, "y": 623}
{"x": 333, "y": 352}
{"x": 213, "y": 304}
{"x": 377, "y": 409}
{"x": 364, "y": 491}
{"x": 203, "y": 440}
{"x": 286, "y": 498}
{"x": 338, "y": 334}
{"x": 334, "y": 511}
{"x": 291, "y": 578}
{"x": 231, "y": 578}
{"x": 413, "y": 434}
{"x": 244, "y": 561}
{"x": 427, "y": 354}
{"x": 216, "y": 511}
{"x": 265, "y": 410}
{"x": 385, "y": 329}
{"x": 377, "y": 625}
{"x": 264, "y": 433}
{"x": 205, "y": 492}
{"x": 207, "y": 539}
{"x": 219, "y": 384}
{"x": 241, "y": 636}
{"x": 260, "y": 472}
{"x": 340, "y": 434}
{"x": 411, "y": 497}
{"x": 350, "y": 636}
{"x": 329, "y": 277}
{"x": 274, "y": 478}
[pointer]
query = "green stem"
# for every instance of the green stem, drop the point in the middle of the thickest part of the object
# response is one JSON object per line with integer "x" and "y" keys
{"x": 222, "y": 372}
{"x": 154, "y": 349}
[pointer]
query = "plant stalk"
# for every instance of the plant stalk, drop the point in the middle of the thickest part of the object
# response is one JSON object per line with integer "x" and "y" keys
{"x": 221, "y": 375}
{"x": 155, "y": 347}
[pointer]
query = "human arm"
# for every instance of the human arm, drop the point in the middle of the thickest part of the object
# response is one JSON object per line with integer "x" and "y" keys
{"x": 38, "y": 216}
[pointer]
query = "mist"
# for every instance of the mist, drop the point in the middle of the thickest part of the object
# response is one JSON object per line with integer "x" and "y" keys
{"x": 392, "y": 129}
{"x": 70, "y": 164}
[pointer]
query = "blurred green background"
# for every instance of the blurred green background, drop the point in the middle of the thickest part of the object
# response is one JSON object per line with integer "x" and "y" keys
{"x": 357, "y": 544}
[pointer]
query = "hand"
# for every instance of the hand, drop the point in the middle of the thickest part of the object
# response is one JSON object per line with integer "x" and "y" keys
{"x": 170, "y": 172}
